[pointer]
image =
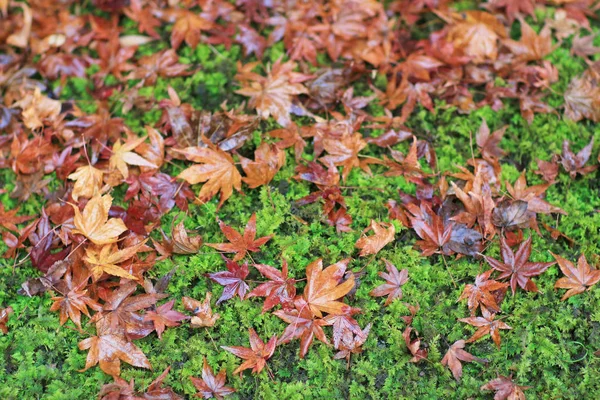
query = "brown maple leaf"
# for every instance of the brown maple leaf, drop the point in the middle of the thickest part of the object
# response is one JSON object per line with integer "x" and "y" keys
{"x": 268, "y": 159}
{"x": 203, "y": 314}
{"x": 455, "y": 355}
{"x": 109, "y": 350}
{"x": 94, "y": 223}
{"x": 414, "y": 346}
{"x": 240, "y": 244}
{"x": 476, "y": 33}
{"x": 513, "y": 8}
{"x": 164, "y": 316}
{"x": 383, "y": 233}
{"x": 517, "y": 266}
{"x": 122, "y": 155}
{"x": 280, "y": 289}
{"x": 488, "y": 143}
{"x": 393, "y": 286}
{"x": 216, "y": 168}
{"x": 74, "y": 301}
{"x": 88, "y": 182}
{"x": 486, "y": 325}
{"x": 210, "y": 385}
{"x": 575, "y": 163}
{"x": 272, "y": 95}
{"x": 256, "y": 356}
{"x": 352, "y": 343}
{"x": 184, "y": 244}
{"x": 431, "y": 229}
{"x": 577, "y": 279}
{"x": 532, "y": 195}
{"x": 505, "y": 388}
{"x": 582, "y": 97}
{"x": 232, "y": 280}
{"x": 290, "y": 137}
{"x": 344, "y": 152}
{"x": 188, "y": 27}
{"x": 120, "y": 313}
{"x": 9, "y": 218}
{"x": 105, "y": 260}
{"x": 303, "y": 324}
{"x": 323, "y": 287}
{"x": 480, "y": 293}
{"x": 5, "y": 313}
{"x": 531, "y": 47}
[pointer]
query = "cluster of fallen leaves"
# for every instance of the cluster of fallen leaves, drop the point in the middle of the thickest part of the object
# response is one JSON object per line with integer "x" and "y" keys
{"x": 95, "y": 255}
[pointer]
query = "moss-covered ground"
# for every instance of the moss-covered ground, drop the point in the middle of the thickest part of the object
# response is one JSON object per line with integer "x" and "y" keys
{"x": 550, "y": 348}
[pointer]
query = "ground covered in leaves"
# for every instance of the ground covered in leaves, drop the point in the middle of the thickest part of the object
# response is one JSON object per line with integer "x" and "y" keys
{"x": 293, "y": 200}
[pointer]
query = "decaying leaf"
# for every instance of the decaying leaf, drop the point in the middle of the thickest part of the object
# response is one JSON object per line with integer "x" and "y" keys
{"x": 256, "y": 356}
{"x": 576, "y": 279}
{"x": 210, "y": 385}
{"x": 383, "y": 233}
{"x": 94, "y": 224}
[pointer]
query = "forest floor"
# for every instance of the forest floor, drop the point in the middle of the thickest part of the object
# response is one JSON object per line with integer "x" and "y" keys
{"x": 552, "y": 344}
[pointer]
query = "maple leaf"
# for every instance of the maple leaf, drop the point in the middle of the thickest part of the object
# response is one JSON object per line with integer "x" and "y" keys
{"x": 290, "y": 137}
{"x": 531, "y": 47}
{"x": 209, "y": 385}
{"x": 514, "y": 8}
{"x": 477, "y": 34}
{"x": 104, "y": 259}
{"x": 548, "y": 170}
{"x": 256, "y": 356}
{"x": 431, "y": 229}
{"x": 532, "y": 195}
{"x": 163, "y": 64}
{"x": 9, "y": 219}
{"x": 5, "y": 313}
{"x": 184, "y": 244}
{"x": 455, "y": 355}
{"x": 575, "y": 163}
{"x": 393, "y": 287}
{"x": 517, "y": 267}
{"x": 164, "y": 316}
{"x": 280, "y": 289}
{"x": 577, "y": 279}
{"x": 486, "y": 325}
{"x": 94, "y": 223}
{"x": 273, "y": 94}
{"x": 414, "y": 346}
{"x": 505, "y": 388}
{"x": 488, "y": 143}
{"x": 344, "y": 152}
{"x": 188, "y": 27}
{"x": 232, "y": 279}
{"x": 480, "y": 293}
{"x": 352, "y": 344}
{"x": 323, "y": 288}
{"x": 582, "y": 97}
{"x": 109, "y": 350}
{"x": 73, "y": 302}
{"x": 216, "y": 169}
{"x": 88, "y": 182}
{"x": 240, "y": 244}
{"x": 383, "y": 233}
{"x": 268, "y": 159}
{"x": 344, "y": 326}
{"x": 203, "y": 314}
{"x": 38, "y": 109}
{"x": 120, "y": 316}
{"x": 122, "y": 155}
{"x": 303, "y": 324}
